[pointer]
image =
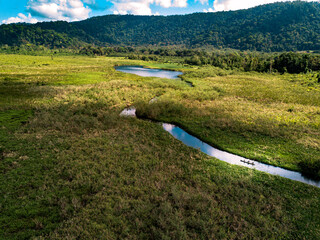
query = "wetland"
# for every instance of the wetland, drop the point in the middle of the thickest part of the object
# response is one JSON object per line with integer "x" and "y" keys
{"x": 71, "y": 167}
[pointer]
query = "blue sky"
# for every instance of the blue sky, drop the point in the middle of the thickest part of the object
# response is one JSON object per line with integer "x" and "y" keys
{"x": 33, "y": 11}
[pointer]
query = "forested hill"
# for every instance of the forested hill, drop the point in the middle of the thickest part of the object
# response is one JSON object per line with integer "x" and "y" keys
{"x": 273, "y": 27}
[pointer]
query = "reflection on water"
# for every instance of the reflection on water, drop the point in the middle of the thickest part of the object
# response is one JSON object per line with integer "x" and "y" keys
{"x": 194, "y": 142}
{"x": 128, "y": 112}
{"x": 148, "y": 72}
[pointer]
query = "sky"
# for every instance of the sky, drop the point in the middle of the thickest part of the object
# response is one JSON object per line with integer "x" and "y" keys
{"x": 32, "y": 11}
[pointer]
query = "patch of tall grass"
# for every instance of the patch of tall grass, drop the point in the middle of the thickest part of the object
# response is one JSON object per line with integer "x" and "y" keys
{"x": 71, "y": 167}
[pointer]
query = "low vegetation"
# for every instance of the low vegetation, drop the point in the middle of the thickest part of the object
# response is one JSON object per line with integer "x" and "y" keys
{"x": 259, "y": 116}
{"x": 72, "y": 168}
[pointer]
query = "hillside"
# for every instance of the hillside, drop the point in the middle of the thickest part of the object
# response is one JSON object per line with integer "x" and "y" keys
{"x": 288, "y": 26}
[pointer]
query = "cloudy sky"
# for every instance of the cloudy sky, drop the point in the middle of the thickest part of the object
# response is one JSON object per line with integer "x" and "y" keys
{"x": 33, "y": 11}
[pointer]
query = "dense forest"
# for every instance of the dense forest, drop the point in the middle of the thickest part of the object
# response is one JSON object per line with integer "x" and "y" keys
{"x": 286, "y": 26}
{"x": 287, "y": 62}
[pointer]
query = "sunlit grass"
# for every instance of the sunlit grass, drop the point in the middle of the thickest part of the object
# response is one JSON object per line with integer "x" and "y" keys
{"x": 258, "y": 116}
{"x": 70, "y": 167}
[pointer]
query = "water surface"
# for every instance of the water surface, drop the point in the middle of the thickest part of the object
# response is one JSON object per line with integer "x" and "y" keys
{"x": 194, "y": 142}
{"x": 128, "y": 112}
{"x": 148, "y": 72}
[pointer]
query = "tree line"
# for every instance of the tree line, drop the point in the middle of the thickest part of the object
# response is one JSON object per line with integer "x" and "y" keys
{"x": 285, "y": 62}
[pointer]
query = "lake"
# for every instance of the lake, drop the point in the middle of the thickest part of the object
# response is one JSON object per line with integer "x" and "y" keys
{"x": 149, "y": 72}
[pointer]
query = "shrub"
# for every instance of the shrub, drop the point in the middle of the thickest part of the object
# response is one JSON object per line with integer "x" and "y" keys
{"x": 310, "y": 168}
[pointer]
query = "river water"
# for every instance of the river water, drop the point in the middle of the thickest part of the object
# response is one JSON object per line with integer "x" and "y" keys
{"x": 196, "y": 143}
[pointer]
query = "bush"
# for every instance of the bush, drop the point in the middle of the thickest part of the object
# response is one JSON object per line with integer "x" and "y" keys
{"x": 310, "y": 168}
{"x": 195, "y": 60}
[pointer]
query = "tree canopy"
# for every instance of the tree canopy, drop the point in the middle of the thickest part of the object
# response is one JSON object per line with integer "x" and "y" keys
{"x": 284, "y": 26}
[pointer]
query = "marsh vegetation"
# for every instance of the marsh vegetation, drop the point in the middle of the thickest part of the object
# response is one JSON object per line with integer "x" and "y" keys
{"x": 71, "y": 167}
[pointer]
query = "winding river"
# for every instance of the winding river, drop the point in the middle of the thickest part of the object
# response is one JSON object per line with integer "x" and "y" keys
{"x": 196, "y": 143}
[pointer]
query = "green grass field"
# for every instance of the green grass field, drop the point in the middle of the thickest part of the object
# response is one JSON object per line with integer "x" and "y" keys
{"x": 71, "y": 168}
{"x": 259, "y": 116}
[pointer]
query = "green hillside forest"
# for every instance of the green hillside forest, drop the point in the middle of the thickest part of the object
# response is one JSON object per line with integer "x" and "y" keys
{"x": 286, "y": 26}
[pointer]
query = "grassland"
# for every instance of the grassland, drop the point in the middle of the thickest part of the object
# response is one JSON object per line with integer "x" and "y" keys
{"x": 271, "y": 118}
{"x": 71, "y": 168}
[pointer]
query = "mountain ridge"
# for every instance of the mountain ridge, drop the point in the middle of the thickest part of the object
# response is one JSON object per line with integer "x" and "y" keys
{"x": 283, "y": 26}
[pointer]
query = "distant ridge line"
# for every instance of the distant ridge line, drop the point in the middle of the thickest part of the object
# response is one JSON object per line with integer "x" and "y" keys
{"x": 282, "y": 26}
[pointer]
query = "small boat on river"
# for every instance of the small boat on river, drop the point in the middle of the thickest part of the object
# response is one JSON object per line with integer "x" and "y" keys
{"x": 247, "y": 162}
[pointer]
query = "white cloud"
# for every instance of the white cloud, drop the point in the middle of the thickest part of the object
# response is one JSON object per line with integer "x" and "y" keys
{"x": 133, "y": 7}
{"x": 20, "y": 18}
{"x": 226, "y": 5}
{"x": 68, "y": 10}
{"x": 142, "y": 7}
{"x": 164, "y": 3}
{"x": 179, "y": 3}
{"x": 208, "y": 10}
